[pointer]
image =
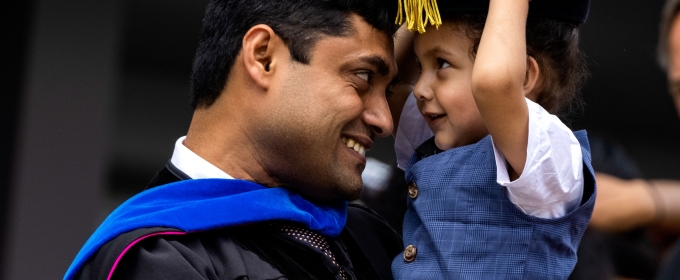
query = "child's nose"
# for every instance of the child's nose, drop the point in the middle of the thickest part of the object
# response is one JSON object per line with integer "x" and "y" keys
{"x": 423, "y": 90}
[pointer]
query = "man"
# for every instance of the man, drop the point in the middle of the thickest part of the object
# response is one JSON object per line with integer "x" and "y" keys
{"x": 288, "y": 96}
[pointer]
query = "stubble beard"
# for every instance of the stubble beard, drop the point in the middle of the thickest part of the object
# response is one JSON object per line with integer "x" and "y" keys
{"x": 304, "y": 166}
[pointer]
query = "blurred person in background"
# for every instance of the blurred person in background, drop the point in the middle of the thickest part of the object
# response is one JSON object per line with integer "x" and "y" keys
{"x": 668, "y": 216}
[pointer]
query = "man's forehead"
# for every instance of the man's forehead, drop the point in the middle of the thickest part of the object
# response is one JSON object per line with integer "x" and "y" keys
{"x": 359, "y": 49}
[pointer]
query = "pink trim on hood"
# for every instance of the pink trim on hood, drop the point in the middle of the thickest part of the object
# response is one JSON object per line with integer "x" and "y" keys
{"x": 135, "y": 242}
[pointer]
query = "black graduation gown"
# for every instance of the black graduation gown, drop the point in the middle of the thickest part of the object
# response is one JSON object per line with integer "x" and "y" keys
{"x": 364, "y": 250}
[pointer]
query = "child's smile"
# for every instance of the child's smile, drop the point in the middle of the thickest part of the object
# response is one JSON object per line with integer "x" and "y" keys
{"x": 434, "y": 120}
{"x": 444, "y": 90}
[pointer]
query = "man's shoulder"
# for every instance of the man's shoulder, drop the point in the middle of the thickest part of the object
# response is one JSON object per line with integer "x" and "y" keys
{"x": 232, "y": 252}
{"x": 170, "y": 254}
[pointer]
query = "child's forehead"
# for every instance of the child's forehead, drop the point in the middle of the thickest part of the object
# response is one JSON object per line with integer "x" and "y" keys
{"x": 446, "y": 40}
{"x": 447, "y": 29}
{"x": 447, "y": 32}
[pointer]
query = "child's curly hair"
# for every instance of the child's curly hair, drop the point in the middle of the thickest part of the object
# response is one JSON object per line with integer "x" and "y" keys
{"x": 554, "y": 45}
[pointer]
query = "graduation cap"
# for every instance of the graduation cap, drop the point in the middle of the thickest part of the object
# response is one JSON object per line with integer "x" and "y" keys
{"x": 417, "y": 13}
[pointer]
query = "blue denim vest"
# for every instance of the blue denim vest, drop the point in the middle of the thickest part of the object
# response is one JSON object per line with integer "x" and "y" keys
{"x": 464, "y": 226}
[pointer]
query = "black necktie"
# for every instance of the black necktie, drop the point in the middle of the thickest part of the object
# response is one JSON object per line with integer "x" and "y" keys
{"x": 314, "y": 240}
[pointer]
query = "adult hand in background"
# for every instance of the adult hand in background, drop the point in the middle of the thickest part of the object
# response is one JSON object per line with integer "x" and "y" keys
{"x": 623, "y": 205}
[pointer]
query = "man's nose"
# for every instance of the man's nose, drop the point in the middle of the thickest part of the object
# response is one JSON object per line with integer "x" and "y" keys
{"x": 377, "y": 116}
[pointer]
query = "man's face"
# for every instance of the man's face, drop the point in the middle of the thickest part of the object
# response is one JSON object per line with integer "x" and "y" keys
{"x": 674, "y": 65}
{"x": 323, "y": 108}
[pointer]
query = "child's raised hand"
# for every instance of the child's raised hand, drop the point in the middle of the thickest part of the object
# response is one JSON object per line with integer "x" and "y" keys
{"x": 501, "y": 78}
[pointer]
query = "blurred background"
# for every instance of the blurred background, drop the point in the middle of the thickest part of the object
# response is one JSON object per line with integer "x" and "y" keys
{"x": 95, "y": 94}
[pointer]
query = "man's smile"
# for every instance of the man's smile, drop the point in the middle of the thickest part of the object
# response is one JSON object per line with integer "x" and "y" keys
{"x": 355, "y": 145}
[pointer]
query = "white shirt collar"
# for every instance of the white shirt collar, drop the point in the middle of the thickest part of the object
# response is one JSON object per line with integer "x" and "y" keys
{"x": 193, "y": 165}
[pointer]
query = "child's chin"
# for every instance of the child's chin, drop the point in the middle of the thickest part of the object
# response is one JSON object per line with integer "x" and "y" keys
{"x": 443, "y": 142}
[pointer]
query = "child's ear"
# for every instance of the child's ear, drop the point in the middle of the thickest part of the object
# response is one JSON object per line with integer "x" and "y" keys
{"x": 531, "y": 77}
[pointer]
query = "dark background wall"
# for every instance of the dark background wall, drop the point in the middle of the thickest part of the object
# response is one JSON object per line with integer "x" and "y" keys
{"x": 626, "y": 98}
{"x": 14, "y": 24}
{"x": 96, "y": 94}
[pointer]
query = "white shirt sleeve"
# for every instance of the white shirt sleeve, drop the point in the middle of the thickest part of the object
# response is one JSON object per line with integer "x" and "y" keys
{"x": 411, "y": 133}
{"x": 551, "y": 184}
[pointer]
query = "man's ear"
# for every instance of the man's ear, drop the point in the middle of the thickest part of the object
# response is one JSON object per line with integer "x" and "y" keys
{"x": 260, "y": 49}
{"x": 531, "y": 78}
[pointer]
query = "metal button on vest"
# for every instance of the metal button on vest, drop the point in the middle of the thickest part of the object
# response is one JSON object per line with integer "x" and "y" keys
{"x": 410, "y": 253}
{"x": 412, "y": 190}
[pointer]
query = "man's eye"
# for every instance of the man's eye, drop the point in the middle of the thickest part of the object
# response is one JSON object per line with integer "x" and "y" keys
{"x": 443, "y": 64}
{"x": 364, "y": 76}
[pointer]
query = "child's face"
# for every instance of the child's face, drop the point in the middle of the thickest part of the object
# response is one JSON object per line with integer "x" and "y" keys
{"x": 444, "y": 91}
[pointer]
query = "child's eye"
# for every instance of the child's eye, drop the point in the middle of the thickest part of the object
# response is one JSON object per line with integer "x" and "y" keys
{"x": 364, "y": 76}
{"x": 442, "y": 63}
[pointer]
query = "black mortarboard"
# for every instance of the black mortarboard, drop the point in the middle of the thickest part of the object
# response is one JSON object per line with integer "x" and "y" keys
{"x": 429, "y": 10}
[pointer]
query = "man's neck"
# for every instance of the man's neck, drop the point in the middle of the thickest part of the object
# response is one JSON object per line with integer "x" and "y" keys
{"x": 226, "y": 146}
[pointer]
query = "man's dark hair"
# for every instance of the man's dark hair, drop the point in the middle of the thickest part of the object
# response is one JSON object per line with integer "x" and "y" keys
{"x": 554, "y": 45}
{"x": 300, "y": 23}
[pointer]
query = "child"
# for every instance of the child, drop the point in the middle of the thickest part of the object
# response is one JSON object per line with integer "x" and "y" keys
{"x": 504, "y": 190}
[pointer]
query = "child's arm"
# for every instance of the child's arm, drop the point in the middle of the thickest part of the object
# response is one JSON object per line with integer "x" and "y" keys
{"x": 407, "y": 76}
{"x": 498, "y": 80}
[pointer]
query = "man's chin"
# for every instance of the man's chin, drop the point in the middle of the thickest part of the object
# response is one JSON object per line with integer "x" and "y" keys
{"x": 355, "y": 194}
{"x": 348, "y": 183}
{"x": 348, "y": 192}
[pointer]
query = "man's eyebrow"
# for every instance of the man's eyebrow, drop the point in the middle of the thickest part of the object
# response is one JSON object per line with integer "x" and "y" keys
{"x": 379, "y": 63}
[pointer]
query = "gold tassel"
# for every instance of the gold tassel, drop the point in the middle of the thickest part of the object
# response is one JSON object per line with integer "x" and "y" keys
{"x": 412, "y": 11}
